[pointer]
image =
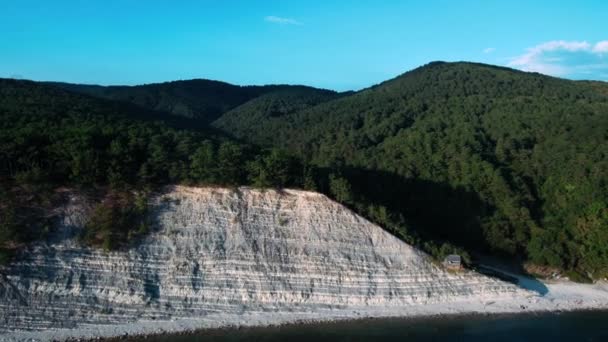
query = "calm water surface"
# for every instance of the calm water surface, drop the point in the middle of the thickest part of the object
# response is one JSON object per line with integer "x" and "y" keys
{"x": 578, "y": 326}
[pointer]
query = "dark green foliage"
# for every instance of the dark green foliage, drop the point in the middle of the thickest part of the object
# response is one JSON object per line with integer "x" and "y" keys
{"x": 5, "y": 256}
{"x": 50, "y": 137}
{"x": 204, "y": 100}
{"x": 201, "y": 99}
{"x": 309, "y": 178}
{"x": 489, "y": 158}
{"x": 8, "y": 226}
{"x": 25, "y": 216}
{"x": 340, "y": 189}
{"x": 118, "y": 220}
{"x": 446, "y": 157}
{"x": 7, "y": 217}
{"x": 231, "y": 161}
{"x": 203, "y": 164}
{"x": 276, "y": 169}
{"x": 578, "y": 277}
{"x": 244, "y": 121}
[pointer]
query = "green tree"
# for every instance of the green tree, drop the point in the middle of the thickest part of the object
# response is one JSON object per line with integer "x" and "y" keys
{"x": 276, "y": 169}
{"x": 203, "y": 164}
{"x": 231, "y": 164}
{"x": 340, "y": 189}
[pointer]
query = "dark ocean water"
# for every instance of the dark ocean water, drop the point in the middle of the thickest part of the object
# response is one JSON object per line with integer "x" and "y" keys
{"x": 574, "y": 326}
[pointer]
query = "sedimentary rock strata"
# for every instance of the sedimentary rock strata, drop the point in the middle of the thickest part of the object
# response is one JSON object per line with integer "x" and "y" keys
{"x": 233, "y": 251}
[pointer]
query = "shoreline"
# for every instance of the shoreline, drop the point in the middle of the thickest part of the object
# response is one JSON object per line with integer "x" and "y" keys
{"x": 202, "y": 332}
{"x": 563, "y": 296}
{"x": 325, "y": 264}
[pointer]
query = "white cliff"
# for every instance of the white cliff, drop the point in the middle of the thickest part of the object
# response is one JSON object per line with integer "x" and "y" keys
{"x": 219, "y": 256}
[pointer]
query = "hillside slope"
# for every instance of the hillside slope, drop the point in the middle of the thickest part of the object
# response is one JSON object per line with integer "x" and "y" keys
{"x": 200, "y": 99}
{"x": 68, "y": 137}
{"x": 482, "y": 157}
{"x": 487, "y": 157}
{"x": 244, "y": 120}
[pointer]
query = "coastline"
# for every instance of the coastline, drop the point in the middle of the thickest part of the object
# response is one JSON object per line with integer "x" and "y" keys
{"x": 563, "y": 296}
{"x": 217, "y": 279}
{"x": 204, "y": 332}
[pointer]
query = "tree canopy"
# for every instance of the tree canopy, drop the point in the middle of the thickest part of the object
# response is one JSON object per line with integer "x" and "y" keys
{"x": 488, "y": 158}
{"x": 446, "y": 156}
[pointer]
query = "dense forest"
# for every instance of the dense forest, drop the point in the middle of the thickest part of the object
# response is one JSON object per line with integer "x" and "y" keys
{"x": 204, "y": 100}
{"x": 489, "y": 158}
{"x": 446, "y": 156}
{"x": 51, "y": 138}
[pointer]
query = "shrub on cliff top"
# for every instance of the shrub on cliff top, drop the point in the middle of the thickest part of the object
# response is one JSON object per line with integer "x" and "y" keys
{"x": 119, "y": 219}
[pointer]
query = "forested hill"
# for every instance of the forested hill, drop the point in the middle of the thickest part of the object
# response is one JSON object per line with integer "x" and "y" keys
{"x": 371, "y": 115}
{"x": 52, "y": 138}
{"x": 483, "y": 156}
{"x": 449, "y": 154}
{"x": 204, "y": 100}
{"x": 244, "y": 121}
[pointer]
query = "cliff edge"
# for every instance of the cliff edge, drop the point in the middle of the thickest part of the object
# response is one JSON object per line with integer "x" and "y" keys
{"x": 231, "y": 254}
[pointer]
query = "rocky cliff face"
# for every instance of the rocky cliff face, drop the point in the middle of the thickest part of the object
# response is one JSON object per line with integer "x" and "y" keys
{"x": 228, "y": 251}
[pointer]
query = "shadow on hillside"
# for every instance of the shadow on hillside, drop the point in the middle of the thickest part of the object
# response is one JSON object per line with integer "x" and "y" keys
{"x": 438, "y": 212}
{"x": 509, "y": 268}
{"x": 431, "y": 210}
{"x": 130, "y": 110}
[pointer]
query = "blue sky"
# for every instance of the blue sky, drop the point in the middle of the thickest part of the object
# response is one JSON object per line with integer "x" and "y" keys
{"x": 332, "y": 44}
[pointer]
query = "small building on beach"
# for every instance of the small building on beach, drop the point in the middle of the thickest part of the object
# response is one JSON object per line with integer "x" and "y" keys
{"x": 453, "y": 262}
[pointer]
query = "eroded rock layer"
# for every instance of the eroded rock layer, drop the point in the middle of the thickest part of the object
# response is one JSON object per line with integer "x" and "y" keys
{"x": 219, "y": 250}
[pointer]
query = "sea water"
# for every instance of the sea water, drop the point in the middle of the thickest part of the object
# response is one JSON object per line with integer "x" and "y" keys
{"x": 571, "y": 326}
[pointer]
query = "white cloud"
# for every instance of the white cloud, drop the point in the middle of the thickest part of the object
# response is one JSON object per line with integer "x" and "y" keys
{"x": 564, "y": 58}
{"x": 489, "y": 50}
{"x": 534, "y": 55}
{"x": 601, "y": 47}
{"x": 281, "y": 20}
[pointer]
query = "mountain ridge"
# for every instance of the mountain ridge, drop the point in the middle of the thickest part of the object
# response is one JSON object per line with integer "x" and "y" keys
{"x": 201, "y": 99}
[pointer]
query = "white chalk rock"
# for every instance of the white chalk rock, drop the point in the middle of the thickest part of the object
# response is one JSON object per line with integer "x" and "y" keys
{"x": 228, "y": 251}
